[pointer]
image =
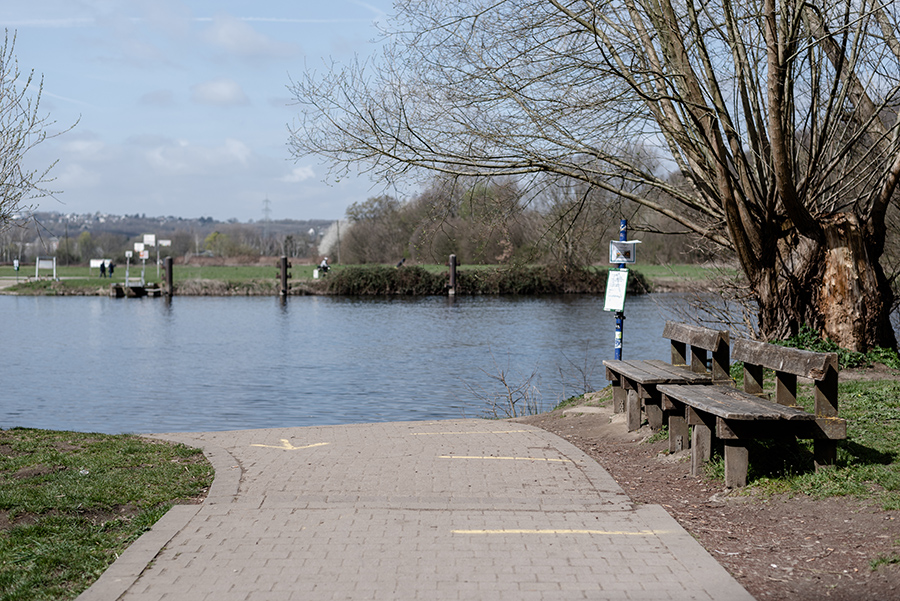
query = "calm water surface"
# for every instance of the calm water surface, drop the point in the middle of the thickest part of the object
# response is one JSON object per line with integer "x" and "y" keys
{"x": 142, "y": 365}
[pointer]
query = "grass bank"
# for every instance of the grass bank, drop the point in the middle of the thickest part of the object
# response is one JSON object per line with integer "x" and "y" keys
{"x": 414, "y": 280}
{"x": 70, "y": 503}
{"x": 868, "y": 461}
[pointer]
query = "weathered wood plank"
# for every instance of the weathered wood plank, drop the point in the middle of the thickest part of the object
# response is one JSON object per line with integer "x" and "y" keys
{"x": 729, "y": 403}
{"x": 652, "y": 372}
{"x": 692, "y": 335}
{"x": 737, "y": 460}
{"x": 802, "y": 363}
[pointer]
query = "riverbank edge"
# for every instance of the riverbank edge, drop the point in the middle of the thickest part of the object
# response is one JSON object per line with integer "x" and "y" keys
{"x": 320, "y": 287}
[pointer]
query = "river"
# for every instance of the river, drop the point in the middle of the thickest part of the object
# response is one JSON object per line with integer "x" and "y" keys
{"x": 97, "y": 364}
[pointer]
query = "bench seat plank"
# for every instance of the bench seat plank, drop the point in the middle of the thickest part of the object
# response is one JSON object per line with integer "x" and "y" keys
{"x": 732, "y": 404}
{"x": 653, "y": 372}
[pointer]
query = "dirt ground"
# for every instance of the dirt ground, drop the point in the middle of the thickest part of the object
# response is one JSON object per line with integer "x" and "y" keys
{"x": 791, "y": 548}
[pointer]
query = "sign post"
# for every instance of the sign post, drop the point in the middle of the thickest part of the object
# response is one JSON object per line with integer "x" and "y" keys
{"x": 621, "y": 253}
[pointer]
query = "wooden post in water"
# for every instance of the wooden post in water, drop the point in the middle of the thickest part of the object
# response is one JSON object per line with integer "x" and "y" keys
{"x": 170, "y": 278}
{"x": 283, "y": 264}
{"x": 452, "y": 290}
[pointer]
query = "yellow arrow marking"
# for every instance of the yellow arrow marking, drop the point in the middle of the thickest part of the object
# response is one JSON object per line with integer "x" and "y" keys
{"x": 506, "y": 458}
{"x": 287, "y": 446}
{"x": 469, "y": 432}
{"x": 608, "y": 532}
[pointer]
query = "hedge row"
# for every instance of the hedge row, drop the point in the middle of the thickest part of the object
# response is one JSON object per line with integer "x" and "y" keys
{"x": 416, "y": 281}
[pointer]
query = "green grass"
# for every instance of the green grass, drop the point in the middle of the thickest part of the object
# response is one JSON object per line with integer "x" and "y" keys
{"x": 71, "y": 502}
{"x": 868, "y": 461}
{"x": 683, "y": 272}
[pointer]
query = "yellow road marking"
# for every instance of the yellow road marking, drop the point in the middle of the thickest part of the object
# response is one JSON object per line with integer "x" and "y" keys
{"x": 558, "y": 531}
{"x": 469, "y": 432}
{"x": 287, "y": 446}
{"x": 506, "y": 458}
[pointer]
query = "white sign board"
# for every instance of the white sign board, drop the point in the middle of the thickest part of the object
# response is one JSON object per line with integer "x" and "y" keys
{"x": 97, "y": 263}
{"x": 616, "y": 285}
{"x": 128, "y": 254}
{"x": 144, "y": 254}
{"x": 149, "y": 239}
{"x": 623, "y": 252}
{"x": 138, "y": 247}
{"x": 165, "y": 243}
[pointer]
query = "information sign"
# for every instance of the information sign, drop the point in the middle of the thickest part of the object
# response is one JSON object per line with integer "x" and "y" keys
{"x": 138, "y": 247}
{"x": 623, "y": 252}
{"x": 616, "y": 285}
{"x": 150, "y": 239}
{"x": 145, "y": 254}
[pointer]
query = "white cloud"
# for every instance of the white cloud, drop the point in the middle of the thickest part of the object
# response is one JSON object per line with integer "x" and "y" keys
{"x": 219, "y": 92}
{"x": 180, "y": 157}
{"x": 84, "y": 149}
{"x": 158, "y": 98}
{"x": 74, "y": 175}
{"x": 237, "y": 38}
{"x": 298, "y": 174}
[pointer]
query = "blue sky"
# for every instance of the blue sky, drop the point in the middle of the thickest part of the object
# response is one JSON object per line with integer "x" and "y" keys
{"x": 182, "y": 105}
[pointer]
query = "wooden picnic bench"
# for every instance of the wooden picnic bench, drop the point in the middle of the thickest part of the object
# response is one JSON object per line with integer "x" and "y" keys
{"x": 737, "y": 416}
{"x": 635, "y": 382}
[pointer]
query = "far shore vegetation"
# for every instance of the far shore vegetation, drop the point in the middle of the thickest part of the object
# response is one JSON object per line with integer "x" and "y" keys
{"x": 368, "y": 279}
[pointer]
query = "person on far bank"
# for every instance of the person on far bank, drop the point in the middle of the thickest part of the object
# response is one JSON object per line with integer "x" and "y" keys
{"x": 102, "y": 269}
{"x": 323, "y": 266}
{"x": 111, "y": 267}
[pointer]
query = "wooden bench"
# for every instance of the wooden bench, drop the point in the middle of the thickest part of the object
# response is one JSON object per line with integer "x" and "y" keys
{"x": 635, "y": 382}
{"x": 737, "y": 416}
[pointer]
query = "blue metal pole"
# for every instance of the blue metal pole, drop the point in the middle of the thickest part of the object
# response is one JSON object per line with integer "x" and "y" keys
{"x": 620, "y": 315}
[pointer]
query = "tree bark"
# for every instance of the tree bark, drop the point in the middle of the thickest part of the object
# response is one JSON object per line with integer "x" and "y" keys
{"x": 831, "y": 284}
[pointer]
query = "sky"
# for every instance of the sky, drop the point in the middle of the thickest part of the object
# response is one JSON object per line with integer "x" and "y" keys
{"x": 182, "y": 107}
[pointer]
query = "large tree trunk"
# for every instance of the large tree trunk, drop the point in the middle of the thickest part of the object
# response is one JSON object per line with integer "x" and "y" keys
{"x": 833, "y": 283}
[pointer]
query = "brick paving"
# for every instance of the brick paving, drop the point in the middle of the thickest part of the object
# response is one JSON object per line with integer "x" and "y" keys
{"x": 464, "y": 509}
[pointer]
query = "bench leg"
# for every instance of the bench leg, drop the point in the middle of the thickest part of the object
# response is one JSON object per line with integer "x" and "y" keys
{"x": 824, "y": 452}
{"x": 701, "y": 448}
{"x": 618, "y": 399}
{"x": 633, "y": 410}
{"x": 678, "y": 433}
{"x": 654, "y": 414}
{"x": 736, "y": 464}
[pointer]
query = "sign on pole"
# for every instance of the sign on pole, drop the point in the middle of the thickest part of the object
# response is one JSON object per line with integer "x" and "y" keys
{"x": 623, "y": 251}
{"x": 616, "y": 285}
{"x": 150, "y": 239}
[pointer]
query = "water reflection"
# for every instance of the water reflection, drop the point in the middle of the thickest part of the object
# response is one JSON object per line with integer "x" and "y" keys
{"x": 146, "y": 365}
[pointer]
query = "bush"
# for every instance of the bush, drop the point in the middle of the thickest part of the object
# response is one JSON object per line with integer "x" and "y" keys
{"x": 416, "y": 281}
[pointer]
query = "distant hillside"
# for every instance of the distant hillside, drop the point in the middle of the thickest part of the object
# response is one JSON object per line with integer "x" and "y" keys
{"x": 136, "y": 225}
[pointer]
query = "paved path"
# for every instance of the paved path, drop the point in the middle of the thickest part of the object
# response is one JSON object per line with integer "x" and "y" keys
{"x": 468, "y": 509}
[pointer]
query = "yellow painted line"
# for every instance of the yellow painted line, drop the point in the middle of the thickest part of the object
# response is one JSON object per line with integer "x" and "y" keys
{"x": 469, "y": 432}
{"x": 287, "y": 446}
{"x": 559, "y": 531}
{"x": 506, "y": 458}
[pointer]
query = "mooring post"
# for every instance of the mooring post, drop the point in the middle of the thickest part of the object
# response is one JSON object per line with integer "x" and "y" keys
{"x": 452, "y": 290}
{"x": 170, "y": 278}
{"x": 620, "y": 315}
{"x": 283, "y": 264}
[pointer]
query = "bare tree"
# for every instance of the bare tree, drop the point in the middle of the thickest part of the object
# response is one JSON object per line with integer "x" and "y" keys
{"x": 22, "y": 128}
{"x": 781, "y": 116}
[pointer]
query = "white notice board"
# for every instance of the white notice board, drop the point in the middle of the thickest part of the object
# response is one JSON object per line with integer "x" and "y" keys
{"x": 616, "y": 284}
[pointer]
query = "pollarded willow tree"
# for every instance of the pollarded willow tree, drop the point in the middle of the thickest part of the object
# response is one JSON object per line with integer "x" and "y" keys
{"x": 22, "y": 128}
{"x": 781, "y": 116}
